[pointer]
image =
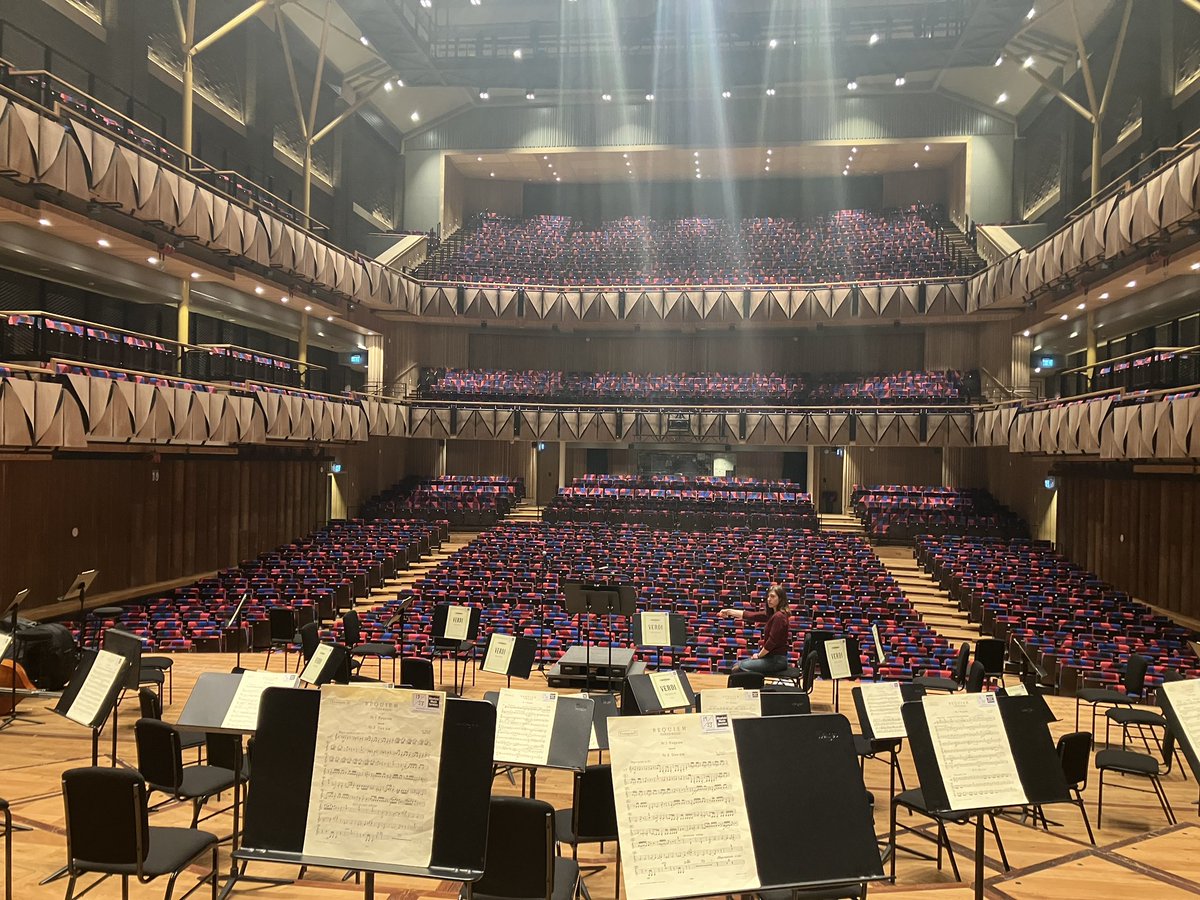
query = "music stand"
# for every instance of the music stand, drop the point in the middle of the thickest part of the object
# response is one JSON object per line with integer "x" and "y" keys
{"x": 645, "y": 697}
{"x": 79, "y": 586}
{"x": 608, "y": 599}
{"x": 519, "y": 661}
{"x": 677, "y": 635}
{"x": 853, "y": 660}
{"x": 14, "y": 716}
{"x": 569, "y": 740}
{"x": 233, "y": 623}
{"x": 456, "y": 645}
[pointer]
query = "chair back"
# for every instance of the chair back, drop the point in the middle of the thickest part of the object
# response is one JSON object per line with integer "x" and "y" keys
{"x": 107, "y": 822}
{"x": 283, "y": 623}
{"x": 159, "y": 754}
{"x": 304, "y": 615}
{"x": 990, "y": 653}
{"x": 225, "y": 751}
{"x": 149, "y": 704}
{"x": 417, "y": 673}
{"x": 594, "y": 812}
{"x": 808, "y": 675}
{"x": 1135, "y": 675}
{"x": 962, "y": 664}
{"x": 310, "y": 638}
{"x": 520, "y": 849}
{"x": 1074, "y": 754}
{"x": 351, "y": 631}
{"x": 748, "y": 680}
{"x": 976, "y": 677}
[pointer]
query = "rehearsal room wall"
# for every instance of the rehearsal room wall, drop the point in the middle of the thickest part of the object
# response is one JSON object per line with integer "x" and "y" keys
{"x": 1138, "y": 530}
{"x": 893, "y": 465}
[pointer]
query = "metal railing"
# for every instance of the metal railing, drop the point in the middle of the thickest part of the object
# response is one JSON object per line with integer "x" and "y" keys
{"x": 1157, "y": 368}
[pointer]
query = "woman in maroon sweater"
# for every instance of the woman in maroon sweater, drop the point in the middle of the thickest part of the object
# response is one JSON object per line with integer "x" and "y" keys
{"x": 772, "y": 656}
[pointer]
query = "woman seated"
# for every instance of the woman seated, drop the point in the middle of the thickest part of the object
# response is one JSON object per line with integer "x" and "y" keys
{"x": 772, "y": 656}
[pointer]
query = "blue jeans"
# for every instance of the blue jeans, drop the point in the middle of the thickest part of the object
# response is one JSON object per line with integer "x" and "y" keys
{"x": 767, "y": 665}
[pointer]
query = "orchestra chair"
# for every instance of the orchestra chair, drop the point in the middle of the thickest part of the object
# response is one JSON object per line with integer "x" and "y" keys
{"x": 282, "y": 620}
{"x": 990, "y": 653}
{"x": 151, "y": 708}
{"x": 1129, "y": 762}
{"x": 521, "y": 863}
{"x": 958, "y": 678}
{"x": 1134, "y": 682}
{"x": 352, "y": 634}
{"x": 108, "y": 833}
{"x": 1074, "y": 752}
{"x": 913, "y": 802}
{"x": 592, "y": 818}
{"x": 160, "y": 761}
{"x": 416, "y": 672}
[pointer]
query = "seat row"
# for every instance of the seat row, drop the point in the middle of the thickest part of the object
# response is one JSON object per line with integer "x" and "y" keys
{"x": 459, "y": 499}
{"x": 902, "y": 512}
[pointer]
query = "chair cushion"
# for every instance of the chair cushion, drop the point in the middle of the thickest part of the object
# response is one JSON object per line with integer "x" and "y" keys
{"x": 173, "y": 848}
{"x": 375, "y": 648}
{"x": 933, "y": 683}
{"x": 1101, "y": 695}
{"x": 1127, "y": 761}
{"x": 566, "y": 878}
{"x": 190, "y": 740}
{"x": 157, "y": 662}
{"x": 1132, "y": 715}
{"x": 203, "y": 781}
{"x": 912, "y": 799}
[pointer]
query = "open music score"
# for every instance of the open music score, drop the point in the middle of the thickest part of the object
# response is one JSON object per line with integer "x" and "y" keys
{"x": 524, "y": 726}
{"x": 1184, "y": 699}
{"x": 656, "y": 629}
{"x": 5, "y": 643}
{"x": 973, "y": 752}
{"x": 375, "y": 775}
{"x": 100, "y": 683}
{"x": 499, "y": 652}
{"x": 839, "y": 658}
{"x": 458, "y": 622}
{"x": 242, "y": 714}
{"x": 737, "y": 703}
{"x": 669, "y": 690}
{"x": 880, "y": 654}
{"x": 316, "y": 665}
{"x": 703, "y": 846}
{"x": 883, "y": 703}
{"x": 1017, "y": 690}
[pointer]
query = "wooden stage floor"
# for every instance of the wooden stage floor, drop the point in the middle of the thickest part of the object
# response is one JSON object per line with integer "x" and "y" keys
{"x": 1138, "y": 854}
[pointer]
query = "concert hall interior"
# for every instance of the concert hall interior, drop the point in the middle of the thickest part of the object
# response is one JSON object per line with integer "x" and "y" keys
{"x": 460, "y": 448}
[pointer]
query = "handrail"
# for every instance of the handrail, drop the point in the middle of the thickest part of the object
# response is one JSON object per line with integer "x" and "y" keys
{"x": 80, "y": 364}
{"x": 4, "y": 314}
{"x": 684, "y": 288}
{"x": 1138, "y": 354}
{"x": 307, "y": 365}
{"x": 1012, "y": 392}
{"x": 924, "y": 406}
{"x": 250, "y": 384}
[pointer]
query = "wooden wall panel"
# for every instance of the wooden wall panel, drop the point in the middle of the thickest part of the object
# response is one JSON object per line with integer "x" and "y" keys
{"x": 952, "y": 347}
{"x": 1138, "y": 531}
{"x": 498, "y": 458}
{"x": 1019, "y": 483}
{"x": 893, "y": 465}
{"x": 199, "y": 515}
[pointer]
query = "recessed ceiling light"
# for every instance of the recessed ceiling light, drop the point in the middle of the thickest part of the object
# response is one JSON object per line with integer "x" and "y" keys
{"x": 625, "y": 156}
{"x": 766, "y": 168}
{"x": 606, "y": 97}
{"x": 415, "y": 116}
{"x": 852, "y": 85}
{"x": 901, "y": 81}
{"x": 153, "y": 260}
{"x": 258, "y": 290}
{"x": 283, "y": 299}
{"x": 44, "y": 222}
{"x": 726, "y": 94}
{"x": 770, "y": 92}
{"x": 530, "y": 95}
{"x": 491, "y": 174}
{"x": 329, "y": 318}
{"x": 483, "y": 95}
{"x": 549, "y": 165}
{"x": 103, "y": 243}
{"x": 873, "y": 39}
{"x": 1032, "y": 12}
{"x": 1104, "y": 296}
{"x": 1075, "y": 333}
{"x": 556, "y": 178}
{"x": 1131, "y": 284}
{"x": 362, "y": 39}
{"x": 773, "y": 43}
{"x": 916, "y": 165}
{"x": 849, "y": 159}
{"x": 517, "y": 54}
{"x": 999, "y": 60}
{"x": 388, "y": 86}
{"x": 1195, "y": 265}
{"x": 926, "y": 148}
{"x": 1025, "y": 333}
{"x": 649, "y": 96}
{"x": 845, "y": 171}
{"x": 1064, "y": 317}
{"x": 770, "y": 151}
{"x": 308, "y": 309}
{"x": 1028, "y": 63}
{"x": 1037, "y": 347}
{"x": 697, "y": 174}
{"x": 195, "y": 275}
{"x": 1003, "y": 98}
{"x": 1081, "y": 306}
{"x": 1037, "y": 370}
{"x": 320, "y": 334}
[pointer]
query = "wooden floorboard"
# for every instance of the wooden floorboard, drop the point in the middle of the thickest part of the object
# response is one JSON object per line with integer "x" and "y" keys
{"x": 1144, "y": 859}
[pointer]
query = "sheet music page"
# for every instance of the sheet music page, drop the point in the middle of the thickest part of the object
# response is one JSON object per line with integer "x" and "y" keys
{"x": 316, "y": 665}
{"x": 100, "y": 679}
{"x": 881, "y": 702}
{"x": 1184, "y": 697}
{"x": 524, "y": 725}
{"x": 1017, "y": 690}
{"x": 681, "y": 810}
{"x": 738, "y": 703}
{"x": 880, "y": 655}
{"x": 499, "y": 653}
{"x": 5, "y": 641}
{"x": 669, "y": 689}
{"x": 656, "y": 629}
{"x": 458, "y": 622}
{"x": 973, "y": 753}
{"x": 243, "y": 708}
{"x": 375, "y": 775}
{"x": 839, "y": 659}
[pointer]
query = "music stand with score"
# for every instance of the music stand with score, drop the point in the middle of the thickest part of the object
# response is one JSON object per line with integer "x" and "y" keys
{"x": 79, "y": 588}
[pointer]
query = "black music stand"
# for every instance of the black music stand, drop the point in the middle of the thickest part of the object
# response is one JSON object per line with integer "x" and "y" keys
{"x": 233, "y": 625}
{"x": 1034, "y": 754}
{"x": 568, "y": 741}
{"x": 128, "y": 646}
{"x": 891, "y": 744}
{"x": 13, "y": 717}
{"x": 853, "y": 659}
{"x": 79, "y": 587}
{"x": 277, "y": 808}
{"x": 676, "y": 627}
{"x": 456, "y": 646}
{"x": 325, "y": 664}
{"x": 774, "y": 703}
{"x": 604, "y": 707}
{"x": 645, "y": 699}
{"x": 586, "y": 598}
{"x": 518, "y": 664}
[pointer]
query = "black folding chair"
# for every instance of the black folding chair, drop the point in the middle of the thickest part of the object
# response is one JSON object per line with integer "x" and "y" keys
{"x": 151, "y": 708}
{"x": 352, "y": 633}
{"x": 1075, "y": 753}
{"x": 108, "y": 832}
{"x": 1127, "y": 762}
{"x": 282, "y": 620}
{"x": 592, "y": 818}
{"x": 521, "y": 863}
{"x": 1134, "y": 682}
{"x": 160, "y": 760}
{"x": 990, "y": 653}
{"x": 748, "y": 680}
{"x": 958, "y": 677}
{"x": 913, "y": 801}
{"x": 416, "y": 672}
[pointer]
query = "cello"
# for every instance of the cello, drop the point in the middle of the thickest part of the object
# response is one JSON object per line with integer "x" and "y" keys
{"x": 15, "y": 686}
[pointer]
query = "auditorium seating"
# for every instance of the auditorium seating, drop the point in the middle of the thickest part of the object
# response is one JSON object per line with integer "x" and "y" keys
{"x": 472, "y": 500}
{"x": 516, "y": 570}
{"x": 707, "y": 388}
{"x": 319, "y": 573}
{"x": 677, "y": 502}
{"x": 847, "y": 245}
{"x": 1081, "y": 628}
{"x": 897, "y": 512}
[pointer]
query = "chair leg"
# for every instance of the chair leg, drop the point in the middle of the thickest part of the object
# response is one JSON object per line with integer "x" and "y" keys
{"x": 944, "y": 839}
{"x": 1086, "y": 823}
{"x": 196, "y": 801}
{"x": 70, "y": 887}
{"x": 125, "y": 889}
{"x": 618, "y": 893}
{"x": 1100, "y": 800}
{"x": 1162, "y": 799}
{"x": 267, "y": 661}
{"x": 999, "y": 843}
{"x": 215, "y": 870}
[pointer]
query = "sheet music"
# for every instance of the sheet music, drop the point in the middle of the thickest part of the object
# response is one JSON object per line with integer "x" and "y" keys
{"x": 104, "y": 673}
{"x": 882, "y": 701}
{"x": 1184, "y": 697}
{"x": 316, "y": 665}
{"x": 973, "y": 752}
{"x": 669, "y": 689}
{"x": 524, "y": 725}
{"x": 458, "y": 622}
{"x": 5, "y": 641}
{"x": 499, "y": 653}
{"x": 375, "y": 775}
{"x": 656, "y": 629}
{"x": 681, "y": 810}
{"x": 737, "y": 703}
{"x": 880, "y": 655}
{"x": 839, "y": 659}
{"x": 242, "y": 714}
{"x": 1017, "y": 690}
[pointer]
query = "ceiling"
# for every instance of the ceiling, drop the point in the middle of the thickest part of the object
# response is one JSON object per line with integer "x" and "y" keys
{"x": 572, "y": 51}
{"x": 671, "y": 164}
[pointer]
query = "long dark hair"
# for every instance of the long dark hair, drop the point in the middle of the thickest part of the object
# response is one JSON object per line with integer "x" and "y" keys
{"x": 781, "y": 594}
